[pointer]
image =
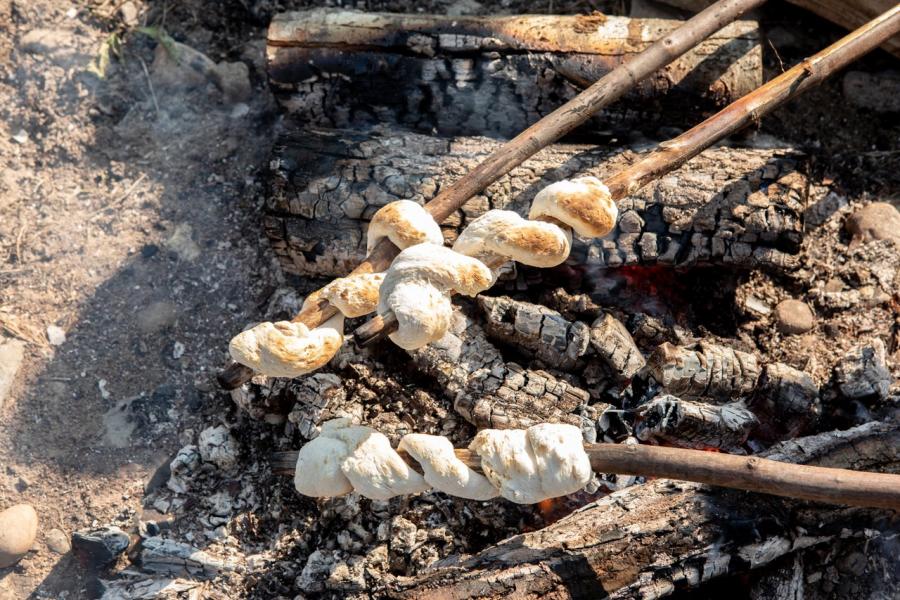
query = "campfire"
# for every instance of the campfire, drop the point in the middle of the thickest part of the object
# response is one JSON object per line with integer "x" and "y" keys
{"x": 547, "y": 366}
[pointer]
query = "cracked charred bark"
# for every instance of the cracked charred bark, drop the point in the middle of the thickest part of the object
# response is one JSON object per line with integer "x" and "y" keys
{"x": 734, "y": 207}
{"x": 429, "y": 72}
{"x": 490, "y": 392}
{"x": 535, "y": 330}
{"x": 648, "y": 540}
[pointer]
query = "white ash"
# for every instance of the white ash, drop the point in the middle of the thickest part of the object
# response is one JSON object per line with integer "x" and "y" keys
{"x": 182, "y": 468}
{"x": 218, "y": 446}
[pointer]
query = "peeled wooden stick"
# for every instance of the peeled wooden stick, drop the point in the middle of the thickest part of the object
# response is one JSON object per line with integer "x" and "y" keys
{"x": 672, "y": 154}
{"x": 750, "y": 473}
{"x": 543, "y": 133}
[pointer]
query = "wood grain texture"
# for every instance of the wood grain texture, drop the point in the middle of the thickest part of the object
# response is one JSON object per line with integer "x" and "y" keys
{"x": 735, "y": 207}
{"x": 338, "y": 68}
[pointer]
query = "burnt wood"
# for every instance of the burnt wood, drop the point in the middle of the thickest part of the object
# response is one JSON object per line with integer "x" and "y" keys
{"x": 493, "y": 75}
{"x": 729, "y": 206}
{"x": 649, "y": 540}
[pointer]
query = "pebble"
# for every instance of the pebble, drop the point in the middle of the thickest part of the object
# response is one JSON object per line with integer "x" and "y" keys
{"x": 157, "y": 316}
{"x": 56, "y": 335}
{"x": 57, "y": 541}
{"x": 12, "y": 353}
{"x": 794, "y": 317}
{"x": 20, "y": 137}
{"x": 18, "y": 529}
{"x": 876, "y": 221}
{"x": 129, "y": 14}
{"x": 99, "y": 547}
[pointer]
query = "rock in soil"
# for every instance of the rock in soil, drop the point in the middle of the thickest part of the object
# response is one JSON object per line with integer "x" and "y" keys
{"x": 794, "y": 317}
{"x": 18, "y": 528}
{"x": 57, "y": 541}
{"x": 12, "y": 352}
{"x": 876, "y": 221}
{"x": 100, "y": 547}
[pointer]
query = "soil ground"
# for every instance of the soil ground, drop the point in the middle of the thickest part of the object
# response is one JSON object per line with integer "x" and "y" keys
{"x": 129, "y": 218}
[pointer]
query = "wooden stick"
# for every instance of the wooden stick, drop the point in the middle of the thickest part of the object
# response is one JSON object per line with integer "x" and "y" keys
{"x": 750, "y": 473}
{"x": 672, "y": 154}
{"x": 543, "y": 133}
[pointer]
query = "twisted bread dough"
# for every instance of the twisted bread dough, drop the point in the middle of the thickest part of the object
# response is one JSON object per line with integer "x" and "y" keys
{"x": 584, "y": 204}
{"x": 349, "y": 457}
{"x": 354, "y": 295}
{"x": 417, "y": 289}
{"x": 443, "y": 470}
{"x": 543, "y": 461}
{"x": 288, "y": 349}
{"x": 523, "y": 466}
{"x": 405, "y": 223}
{"x": 498, "y": 235}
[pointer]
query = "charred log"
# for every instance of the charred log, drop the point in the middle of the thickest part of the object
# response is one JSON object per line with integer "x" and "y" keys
{"x": 476, "y": 75}
{"x": 489, "y": 392}
{"x": 740, "y": 208}
{"x": 648, "y": 540}
{"x": 571, "y": 306}
{"x": 684, "y": 424}
{"x": 706, "y": 370}
{"x": 543, "y": 333}
{"x": 786, "y": 401}
{"x": 616, "y": 348}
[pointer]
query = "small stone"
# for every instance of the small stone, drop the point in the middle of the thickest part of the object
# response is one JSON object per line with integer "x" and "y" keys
{"x": 240, "y": 110}
{"x": 157, "y": 316}
{"x": 57, "y": 541}
{"x": 793, "y": 317}
{"x": 149, "y": 250}
{"x": 876, "y": 221}
{"x": 218, "y": 446}
{"x": 233, "y": 79}
{"x": 129, "y": 14}
{"x": 182, "y": 243}
{"x": 863, "y": 373}
{"x": 18, "y": 529}
{"x": 20, "y": 137}
{"x": 177, "y": 350}
{"x": 101, "y": 385}
{"x": 56, "y": 335}
{"x": 96, "y": 548}
{"x": 12, "y": 353}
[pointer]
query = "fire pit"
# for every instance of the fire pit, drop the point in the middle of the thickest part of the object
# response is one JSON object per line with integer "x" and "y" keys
{"x": 723, "y": 309}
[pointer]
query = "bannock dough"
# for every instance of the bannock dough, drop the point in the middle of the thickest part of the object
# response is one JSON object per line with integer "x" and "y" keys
{"x": 347, "y": 458}
{"x": 417, "y": 289}
{"x": 544, "y": 461}
{"x": 503, "y": 234}
{"x": 354, "y": 295}
{"x": 584, "y": 204}
{"x": 287, "y": 349}
{"x": 524, "y": 466}
{"x": 405, "y": 223}
{"x": 443, "y": 470}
